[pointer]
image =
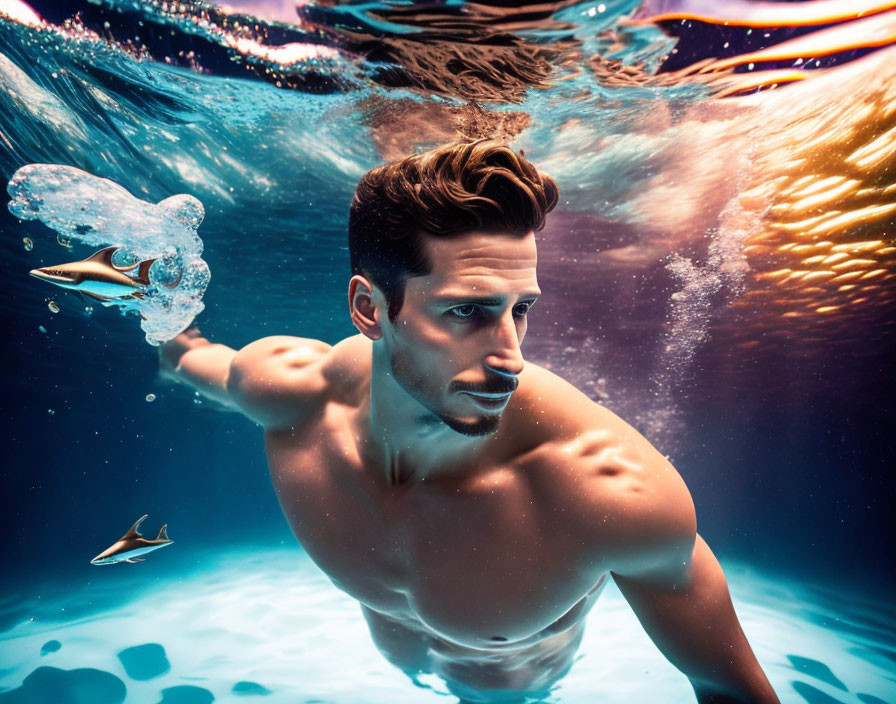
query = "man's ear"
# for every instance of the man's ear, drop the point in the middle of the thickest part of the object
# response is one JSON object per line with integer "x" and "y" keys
{"x": 364, "y": 313}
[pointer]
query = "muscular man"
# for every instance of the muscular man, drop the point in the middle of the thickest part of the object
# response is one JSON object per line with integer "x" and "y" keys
{"x": 473, "y": 504}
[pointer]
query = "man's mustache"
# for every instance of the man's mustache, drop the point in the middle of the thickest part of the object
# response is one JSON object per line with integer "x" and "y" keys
{"x": 497, "y": 384}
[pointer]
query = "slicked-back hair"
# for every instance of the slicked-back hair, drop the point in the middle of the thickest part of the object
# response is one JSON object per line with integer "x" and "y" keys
{"x": 444, "y": 192}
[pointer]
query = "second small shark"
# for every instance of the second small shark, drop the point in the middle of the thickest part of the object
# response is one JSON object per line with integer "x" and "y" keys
{"x": 131, "y": 545}
{"x": 98, "y": 277}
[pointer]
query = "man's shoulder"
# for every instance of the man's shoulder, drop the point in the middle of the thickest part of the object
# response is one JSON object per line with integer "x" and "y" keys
{"x": 346, "y": 369}
{"x": 548, "y": 408}
{"x": 282, "y": 353}
{"x": 619, "y": 492}
{"x": 281, "y": 348}
{"x": 279, "y": 379}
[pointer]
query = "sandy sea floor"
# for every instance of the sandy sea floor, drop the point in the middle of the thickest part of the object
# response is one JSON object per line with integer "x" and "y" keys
{"x": 265, "y": 625}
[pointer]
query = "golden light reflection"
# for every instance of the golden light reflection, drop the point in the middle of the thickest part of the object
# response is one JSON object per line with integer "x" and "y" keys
{"x": 756, "y": 13}
{"x": 815, "y": 221}
{"x": 823, "y": 261}
{"x": 856, "y": 26}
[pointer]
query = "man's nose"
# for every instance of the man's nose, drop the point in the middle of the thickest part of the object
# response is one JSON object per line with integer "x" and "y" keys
{"x": 506, "y": 357}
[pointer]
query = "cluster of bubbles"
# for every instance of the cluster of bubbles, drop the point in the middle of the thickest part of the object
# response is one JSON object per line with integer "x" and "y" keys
{"x": 98, "y": 212}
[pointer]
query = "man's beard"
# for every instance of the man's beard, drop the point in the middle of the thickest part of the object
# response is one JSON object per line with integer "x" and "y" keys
{"x": 415, "y": 385}
{"x": 485, "y": 425}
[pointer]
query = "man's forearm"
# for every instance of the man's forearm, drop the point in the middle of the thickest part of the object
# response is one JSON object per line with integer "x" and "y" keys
{"x": 694, "y": 624}
{"x": 191, "y": 359}
{"x": 761, "y": 695}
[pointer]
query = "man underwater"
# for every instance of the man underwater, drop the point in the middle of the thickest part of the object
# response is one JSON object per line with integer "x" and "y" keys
{"x": 473, "y": 504}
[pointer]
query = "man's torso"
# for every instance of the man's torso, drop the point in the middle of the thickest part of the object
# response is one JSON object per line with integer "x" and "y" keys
{"x": 464, "y": 566}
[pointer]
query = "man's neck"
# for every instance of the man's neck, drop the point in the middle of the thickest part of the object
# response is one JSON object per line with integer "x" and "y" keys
{"x": 403, "y": 438}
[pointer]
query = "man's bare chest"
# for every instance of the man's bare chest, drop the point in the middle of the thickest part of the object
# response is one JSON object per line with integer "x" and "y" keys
{"x": 479, "y": 561}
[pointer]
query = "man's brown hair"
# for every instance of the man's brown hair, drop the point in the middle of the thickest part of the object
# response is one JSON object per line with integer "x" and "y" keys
{"x": 444, "y": 192}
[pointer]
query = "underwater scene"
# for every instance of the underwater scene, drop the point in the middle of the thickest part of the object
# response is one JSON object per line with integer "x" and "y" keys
{"x": 719, "y": 272}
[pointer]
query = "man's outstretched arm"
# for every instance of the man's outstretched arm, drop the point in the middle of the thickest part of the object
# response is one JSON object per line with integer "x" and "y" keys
{"x": 274, "y": 380}
{"x": 193, "y": 360}
{"x": 687, "y": 611}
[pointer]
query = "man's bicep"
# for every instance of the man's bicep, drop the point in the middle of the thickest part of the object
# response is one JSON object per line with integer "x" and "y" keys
{"x": 275, "y": 380}
{"x": 688, "y": 613}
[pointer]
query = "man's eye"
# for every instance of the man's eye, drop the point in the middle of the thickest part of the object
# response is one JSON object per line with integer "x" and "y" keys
{"x": 463, "y": 312}
{"x": 522, "y": 308}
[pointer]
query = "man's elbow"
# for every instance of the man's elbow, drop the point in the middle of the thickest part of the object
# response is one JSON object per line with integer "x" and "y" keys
{"x": 239, "y": 383}
{"x": 250, "y": 391}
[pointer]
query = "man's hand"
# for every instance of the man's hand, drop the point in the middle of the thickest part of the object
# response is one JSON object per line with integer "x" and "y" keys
{"x": 171, "y": 352}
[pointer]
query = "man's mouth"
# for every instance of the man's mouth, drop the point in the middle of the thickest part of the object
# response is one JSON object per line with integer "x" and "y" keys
{"x": 489, "y": 402}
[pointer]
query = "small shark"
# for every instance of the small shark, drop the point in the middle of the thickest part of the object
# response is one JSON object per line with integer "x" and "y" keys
{"x": 131, "y": 544}
{"x": 98, "y": 277}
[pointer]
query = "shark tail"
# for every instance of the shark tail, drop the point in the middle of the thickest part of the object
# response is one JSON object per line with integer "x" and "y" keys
{"x": 143, "y": 272}
{"x": 163, "y": 533}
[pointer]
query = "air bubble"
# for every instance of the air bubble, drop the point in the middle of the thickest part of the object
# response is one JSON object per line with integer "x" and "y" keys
{"x": 124, "y": 258}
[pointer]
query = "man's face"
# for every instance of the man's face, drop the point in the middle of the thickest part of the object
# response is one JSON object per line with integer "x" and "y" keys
{"x": 455, "y": 344}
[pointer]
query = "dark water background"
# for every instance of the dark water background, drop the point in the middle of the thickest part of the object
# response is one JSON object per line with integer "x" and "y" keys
{"x": 788, "y": 451}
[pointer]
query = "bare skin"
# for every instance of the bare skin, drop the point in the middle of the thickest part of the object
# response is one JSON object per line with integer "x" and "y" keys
{"x": 472, "y": 503}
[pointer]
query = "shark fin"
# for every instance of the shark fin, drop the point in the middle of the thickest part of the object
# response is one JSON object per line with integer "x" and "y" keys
{"x": 163, "y": 533}
{"x": 134, "y": 532}
{"x": 136, "y": 559}
{"x": 95, "y": 296}
{"x": 143, "y": 273}
{"x": 104, "y": 255}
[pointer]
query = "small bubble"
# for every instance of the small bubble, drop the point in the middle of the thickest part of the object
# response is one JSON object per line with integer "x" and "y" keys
{"x": 197, "y": 401}
{"x": 51, "y": 411}
{"x": 53, "y": 306}
{"x": 150, "y": 398}
{"x": 88, "y": 310}
{"x": 42, "y": 329}
{"x": 29, "y": 245}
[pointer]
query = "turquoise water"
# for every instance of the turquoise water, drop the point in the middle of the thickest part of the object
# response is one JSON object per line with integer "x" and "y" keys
{"x": 719, "y": 272}
{"x": 263, "y": 624}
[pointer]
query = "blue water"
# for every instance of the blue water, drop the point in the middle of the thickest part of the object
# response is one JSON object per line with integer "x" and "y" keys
{"x": 262, "y": 623}
{"x": 663, "y": 299}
